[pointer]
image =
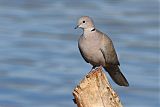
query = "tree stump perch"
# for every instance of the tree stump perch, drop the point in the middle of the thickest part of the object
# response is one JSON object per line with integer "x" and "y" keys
{"x": 95, "y": 91}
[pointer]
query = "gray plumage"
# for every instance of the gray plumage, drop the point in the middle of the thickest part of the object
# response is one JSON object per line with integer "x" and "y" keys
{"x": 97, "y": 49}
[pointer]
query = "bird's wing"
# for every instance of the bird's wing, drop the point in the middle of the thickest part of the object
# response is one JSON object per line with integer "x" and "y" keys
{"x": 108, "y": 51}
{"x": 82, "y": 54}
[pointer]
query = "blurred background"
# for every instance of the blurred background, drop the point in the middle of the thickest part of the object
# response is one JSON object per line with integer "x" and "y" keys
{"x": 40, "y": 63}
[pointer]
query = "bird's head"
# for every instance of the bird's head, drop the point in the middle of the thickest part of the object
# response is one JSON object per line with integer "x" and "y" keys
{"x": 85, "y": 22}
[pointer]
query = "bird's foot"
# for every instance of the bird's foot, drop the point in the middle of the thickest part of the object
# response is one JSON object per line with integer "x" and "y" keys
{"x": 95, "y": 68}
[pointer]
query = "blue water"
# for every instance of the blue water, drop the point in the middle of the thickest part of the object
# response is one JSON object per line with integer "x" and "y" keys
{"x": 40, "y": 63}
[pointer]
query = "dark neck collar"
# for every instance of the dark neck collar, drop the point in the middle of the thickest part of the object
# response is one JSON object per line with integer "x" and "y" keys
{"x": 93, "y": 29}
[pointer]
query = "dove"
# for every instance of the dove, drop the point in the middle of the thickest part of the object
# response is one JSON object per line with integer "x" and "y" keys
{"x": 97, "y": 49}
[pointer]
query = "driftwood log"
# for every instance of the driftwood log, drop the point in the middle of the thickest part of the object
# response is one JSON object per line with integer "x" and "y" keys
{"x": 95, "y": 91}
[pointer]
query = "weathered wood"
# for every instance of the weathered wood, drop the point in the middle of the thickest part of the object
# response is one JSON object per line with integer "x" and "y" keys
{"x": 95, "y": 91}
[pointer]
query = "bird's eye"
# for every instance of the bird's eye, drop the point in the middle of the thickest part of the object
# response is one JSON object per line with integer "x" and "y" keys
{"x": 83, "y": 21}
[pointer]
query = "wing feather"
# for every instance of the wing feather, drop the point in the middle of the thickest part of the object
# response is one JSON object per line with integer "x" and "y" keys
{"x": 108, "y": 51}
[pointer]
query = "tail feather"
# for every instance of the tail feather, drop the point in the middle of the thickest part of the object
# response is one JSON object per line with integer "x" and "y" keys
{"x": 116, "y": 75}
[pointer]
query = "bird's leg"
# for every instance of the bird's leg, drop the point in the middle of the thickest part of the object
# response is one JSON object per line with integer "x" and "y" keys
{"x": 95, "y": 67}
{"x": 92, "y": 69}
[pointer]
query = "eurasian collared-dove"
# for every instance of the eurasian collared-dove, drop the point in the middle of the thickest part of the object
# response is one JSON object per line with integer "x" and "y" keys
{"x": 97, "y": 49}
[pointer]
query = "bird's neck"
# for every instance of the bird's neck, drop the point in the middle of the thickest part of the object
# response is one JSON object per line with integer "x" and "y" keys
{"x": 88, "y": 31}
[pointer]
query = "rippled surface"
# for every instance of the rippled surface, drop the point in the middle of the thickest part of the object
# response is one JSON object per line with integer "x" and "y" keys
{"x": 39, "y": 60}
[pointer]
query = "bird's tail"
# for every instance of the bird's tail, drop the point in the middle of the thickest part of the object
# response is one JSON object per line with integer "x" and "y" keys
{"x": 116, "y": 75}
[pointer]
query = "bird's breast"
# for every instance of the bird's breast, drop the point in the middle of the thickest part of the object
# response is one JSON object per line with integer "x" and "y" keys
{"x": 90, "y": 48}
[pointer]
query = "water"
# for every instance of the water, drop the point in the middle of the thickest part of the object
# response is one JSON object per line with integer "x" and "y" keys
{"x": 40, "y": 63}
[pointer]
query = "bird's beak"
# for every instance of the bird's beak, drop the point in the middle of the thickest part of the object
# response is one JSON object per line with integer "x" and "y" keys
{"x": 76, "y": 27}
